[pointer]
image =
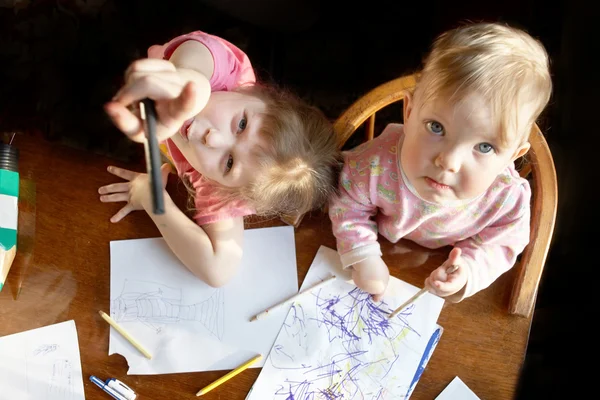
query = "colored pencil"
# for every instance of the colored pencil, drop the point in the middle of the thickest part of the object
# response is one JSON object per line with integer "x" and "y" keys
{"x": 125, "y": 334}
{"x": 275, "y": 307}
{"x": 420, "y": 293}
{"x": 228, "y": 376}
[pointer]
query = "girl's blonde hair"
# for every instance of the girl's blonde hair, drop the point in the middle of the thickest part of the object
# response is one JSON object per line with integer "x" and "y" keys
{"x": 299, "y": 169}
{"x": 505, "y": 65}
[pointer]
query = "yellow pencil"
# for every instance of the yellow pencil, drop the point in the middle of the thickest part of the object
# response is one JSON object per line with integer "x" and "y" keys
{"x": 125, "y": 334}
{"x": 228, "y": 376}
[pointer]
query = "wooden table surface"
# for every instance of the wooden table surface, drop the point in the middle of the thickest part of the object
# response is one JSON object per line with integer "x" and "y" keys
{"x": 64, "y": 275}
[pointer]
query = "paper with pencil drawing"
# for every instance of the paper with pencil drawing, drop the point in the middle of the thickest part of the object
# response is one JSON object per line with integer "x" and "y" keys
{"x": 41, "y": 363}
{"x": 336, "y": 343}
{"x": 187, "y": 325}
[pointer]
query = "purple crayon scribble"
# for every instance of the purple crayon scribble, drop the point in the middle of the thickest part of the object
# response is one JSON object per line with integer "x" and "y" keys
{"x": 295, "y": 325}
{"x": 362, "y": 316}
{"x": 352, "y": 322}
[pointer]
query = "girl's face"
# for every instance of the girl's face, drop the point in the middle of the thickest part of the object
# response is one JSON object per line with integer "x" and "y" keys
{"x": 222, "y": 140}
{"x": 452, "y": 151}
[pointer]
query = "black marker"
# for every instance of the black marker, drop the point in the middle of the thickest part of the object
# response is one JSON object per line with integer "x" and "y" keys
{"x": 148, "y": 114}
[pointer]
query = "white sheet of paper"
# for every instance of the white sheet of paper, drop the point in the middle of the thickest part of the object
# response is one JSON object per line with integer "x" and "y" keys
{"x": 187, "y": 325}
{"x": 457, "y": 390}
{"x": 337, "y": 343}
{"x": 42, "y": 363}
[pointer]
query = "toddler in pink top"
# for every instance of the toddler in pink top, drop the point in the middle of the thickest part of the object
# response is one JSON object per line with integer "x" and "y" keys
{"x": 447, "y": 175}
{"x": 241, "y": 147}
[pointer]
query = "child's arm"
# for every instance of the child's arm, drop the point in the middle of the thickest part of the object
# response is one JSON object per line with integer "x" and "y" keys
{"x": 351, "y": 214}
{"x": 211, "y": 252}
{"x": 487, "y": 255}
{"x": 194, "y": 62}
{"x": 352, "y": 220}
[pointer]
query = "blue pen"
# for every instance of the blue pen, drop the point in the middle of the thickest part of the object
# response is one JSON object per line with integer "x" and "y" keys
{"x": 106, "y": 388}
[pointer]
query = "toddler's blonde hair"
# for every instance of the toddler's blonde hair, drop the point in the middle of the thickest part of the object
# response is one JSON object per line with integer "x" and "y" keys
{"x": 505, "y": 65}
{"x": 299, "y": 168}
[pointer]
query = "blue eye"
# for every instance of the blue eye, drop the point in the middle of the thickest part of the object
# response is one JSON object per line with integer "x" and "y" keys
{"x": 485, "y": 147}
{"x": 229, "y": 164}
{"x": 435, "y": 127}
{"x": 242, "y": 124}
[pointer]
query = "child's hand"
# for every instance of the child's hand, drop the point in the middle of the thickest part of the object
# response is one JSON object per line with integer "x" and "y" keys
{"x": 136, "y": 192}
{"x": 372, "y": 276}
{"x": 177, "y": 96}
{"x": 442, "y": 283}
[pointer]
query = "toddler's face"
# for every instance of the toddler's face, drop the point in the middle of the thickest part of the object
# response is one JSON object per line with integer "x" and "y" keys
{"x": 452, "y": 152}
{"x": 221, "y": 141}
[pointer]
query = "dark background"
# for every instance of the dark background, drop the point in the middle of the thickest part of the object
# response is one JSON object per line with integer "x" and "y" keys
{"x": 61, "y": 60}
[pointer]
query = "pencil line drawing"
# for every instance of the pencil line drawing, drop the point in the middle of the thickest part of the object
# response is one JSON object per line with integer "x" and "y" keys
{"x": 61, "y": 383}
{"x": 42, "y": 364}
{"x": 46, "y": 359}
{"x": 156, "y": 305}
{"x": 357, "y": 348}
{"x": 45, "y": 349}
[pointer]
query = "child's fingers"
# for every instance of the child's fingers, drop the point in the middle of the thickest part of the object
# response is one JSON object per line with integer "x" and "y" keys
{"x": 378, "y": 295}
{"x": 438, "y": 288}
{"x": 432, "y": 286}
{"x": 115, "y": 188}
{"x": 436, "y": 284}
{"x": 438, "y": 274}
{"x": 183, "y": 107}
{"x": 366, "y": 284}
{"x": 165, "y": 76}
{"x": 122, "y": 213}
{"x": 125, "y": 121}
{"x": 175, "y": 112}
{"x": 454, "y": 255}
{"x": 122, "y": 173}
{"x": 149, "y": 65}
{"x": 427, "y": 283}
{"x": 165, "y": 170}
{"x": 456, "y": 276}
{"x": 149, "y": 86}
{"x": 115, "y": 197}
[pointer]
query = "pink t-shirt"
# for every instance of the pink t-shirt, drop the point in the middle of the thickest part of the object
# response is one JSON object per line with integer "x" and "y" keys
{"x": 232, "y": 69}
{"x": 376, "y": 198}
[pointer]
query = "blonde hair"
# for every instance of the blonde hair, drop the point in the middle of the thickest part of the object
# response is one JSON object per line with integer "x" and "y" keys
{"x": 505, "y": 65}
{"x": 299, "y": 169}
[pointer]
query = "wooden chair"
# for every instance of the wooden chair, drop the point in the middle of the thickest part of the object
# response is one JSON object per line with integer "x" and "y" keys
{"x": 537, "y": 166}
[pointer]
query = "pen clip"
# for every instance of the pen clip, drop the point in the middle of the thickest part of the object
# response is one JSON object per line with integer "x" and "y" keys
{"x": 121, "y": 388}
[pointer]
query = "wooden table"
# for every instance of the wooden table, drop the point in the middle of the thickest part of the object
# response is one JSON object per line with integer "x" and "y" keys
{"x": 64, "y": 275}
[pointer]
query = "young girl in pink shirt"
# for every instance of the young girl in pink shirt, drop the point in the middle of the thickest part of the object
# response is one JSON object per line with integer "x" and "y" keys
{"x": 242, "y": 148}
{"x": 447, "y": 176}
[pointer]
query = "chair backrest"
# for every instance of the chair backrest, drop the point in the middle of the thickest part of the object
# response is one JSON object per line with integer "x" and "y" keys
{"x": 537, "y": 166}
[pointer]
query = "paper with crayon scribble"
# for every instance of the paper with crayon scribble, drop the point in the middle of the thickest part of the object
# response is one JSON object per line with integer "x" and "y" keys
{"x": 336, "y": 343}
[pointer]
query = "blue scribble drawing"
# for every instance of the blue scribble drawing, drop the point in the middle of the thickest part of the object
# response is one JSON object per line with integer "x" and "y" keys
{"x": 156, "y": 305}
{"x": 355, "y": 346}
{"x": 350, "y": 316}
